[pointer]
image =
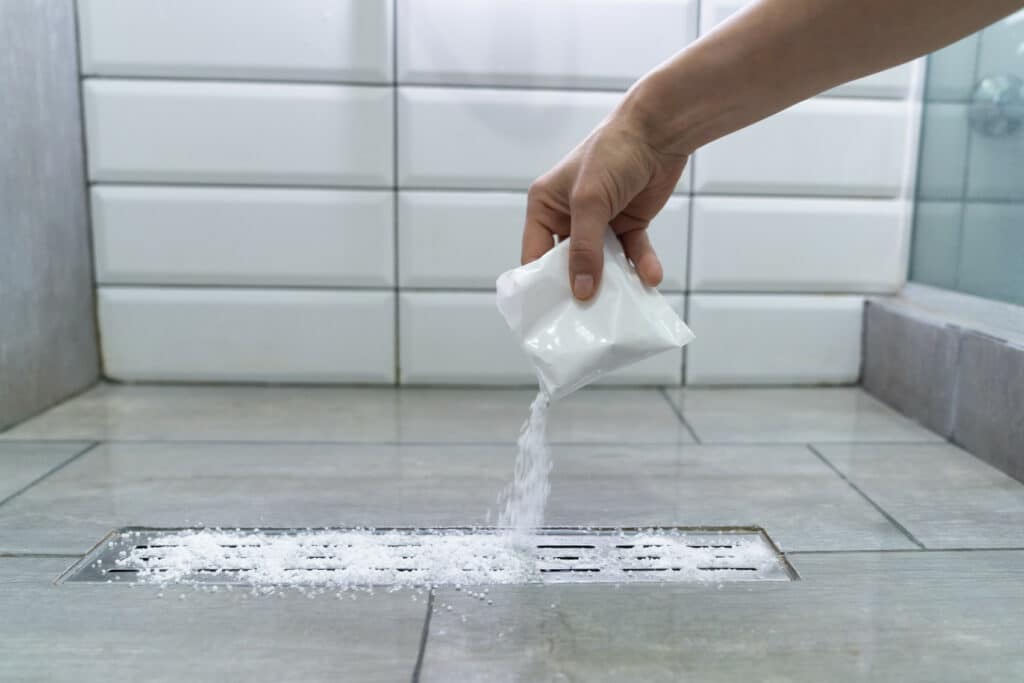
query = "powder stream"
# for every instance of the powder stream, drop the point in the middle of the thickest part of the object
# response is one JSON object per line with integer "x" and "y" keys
{"x": 524, "y": 500}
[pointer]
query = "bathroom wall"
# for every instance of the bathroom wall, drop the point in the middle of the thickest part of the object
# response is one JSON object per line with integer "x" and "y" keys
{"x": 325, "y": 191}
{"x": 967, "y": 234}
{"x": 47, "y": 330}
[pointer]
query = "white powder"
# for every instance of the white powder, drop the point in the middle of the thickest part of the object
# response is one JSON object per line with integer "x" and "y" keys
{"x": 522, "y": 503}
{"x": 342, "y": 560}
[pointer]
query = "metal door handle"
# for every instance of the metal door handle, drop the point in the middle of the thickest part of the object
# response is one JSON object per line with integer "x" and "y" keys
{"x": 997, "y": 106}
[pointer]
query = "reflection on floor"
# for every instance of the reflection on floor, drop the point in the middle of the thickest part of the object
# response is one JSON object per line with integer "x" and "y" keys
{"x": 911, "y": 551}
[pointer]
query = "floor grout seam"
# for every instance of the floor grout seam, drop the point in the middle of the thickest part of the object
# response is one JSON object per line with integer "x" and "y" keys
{"x": 424, "y": 636}
{"x": 918, "y": 551}
{"x": 892, "y": 520}
{"x": 52, "y": 470}
{"x": 679, "y": 414}
{"x": 39, "y": 556}
{"x": 553, "y": 442}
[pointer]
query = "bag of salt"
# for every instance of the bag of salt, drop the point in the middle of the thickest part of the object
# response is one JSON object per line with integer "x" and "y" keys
{"x": 571, "y": 343}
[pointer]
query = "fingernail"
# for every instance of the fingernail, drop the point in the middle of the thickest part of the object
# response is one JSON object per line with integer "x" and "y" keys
{"x": 583, "y": 286}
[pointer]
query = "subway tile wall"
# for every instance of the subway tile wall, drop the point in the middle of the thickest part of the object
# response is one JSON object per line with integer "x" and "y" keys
{"x": 331, "y": 201}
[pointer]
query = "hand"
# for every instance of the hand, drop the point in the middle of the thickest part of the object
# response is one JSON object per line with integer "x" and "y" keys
{"x": 614, "y": 177}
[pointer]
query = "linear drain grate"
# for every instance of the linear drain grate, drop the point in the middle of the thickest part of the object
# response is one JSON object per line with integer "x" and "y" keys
{"x": 427, "y": 557}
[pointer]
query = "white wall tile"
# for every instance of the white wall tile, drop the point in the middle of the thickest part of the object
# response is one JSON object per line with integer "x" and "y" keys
{"x": 460, "y": 338}
{"x": 784, "y": 244}
{"x": 943, "y": 156}
{"x": 763, "y": 339}
{"x": 894, "y": 82}
{"x": 248, "y": 335}
{"x": 322, "y": 40}
{"x": 824, "y": 146}
{"x": 570, "y": 43}
{"x": 466, "y": 239}
{"x": 221, "y": 132}
{"x": 242, "y": 236}
{"x": 498, "y": 139}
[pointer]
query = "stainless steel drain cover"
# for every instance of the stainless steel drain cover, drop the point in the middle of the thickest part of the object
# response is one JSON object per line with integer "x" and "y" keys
{"x": 429, "y": 557}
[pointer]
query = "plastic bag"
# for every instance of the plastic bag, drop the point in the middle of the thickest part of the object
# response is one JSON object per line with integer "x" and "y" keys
{"x": 572, "y": 343}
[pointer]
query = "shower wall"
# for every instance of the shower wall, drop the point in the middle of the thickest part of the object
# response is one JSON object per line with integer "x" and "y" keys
{"x": 48, "y": 346}
{"x": 325, "y": 191}
{"x": 969, "y": 226}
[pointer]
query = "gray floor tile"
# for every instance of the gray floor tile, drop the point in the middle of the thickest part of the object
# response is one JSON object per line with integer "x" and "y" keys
{"x": 912, "y": 616}
{"x": 99, "y": 632}
{"x": 793, "y": 415}
{"x": 786, "y": 489}
{"x": 944, "y": 496}
{"x": 23, "y": 463}
{"x": 217, "y": 413}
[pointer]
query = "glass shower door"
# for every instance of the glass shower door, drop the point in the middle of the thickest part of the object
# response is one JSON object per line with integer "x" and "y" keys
{"x": 969, "y": 218}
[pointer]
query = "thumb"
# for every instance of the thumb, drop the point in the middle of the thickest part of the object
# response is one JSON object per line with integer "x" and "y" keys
{"x": 589, "y": 214}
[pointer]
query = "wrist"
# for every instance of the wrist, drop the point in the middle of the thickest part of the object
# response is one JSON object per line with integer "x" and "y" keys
{"x": 686, "y": 102}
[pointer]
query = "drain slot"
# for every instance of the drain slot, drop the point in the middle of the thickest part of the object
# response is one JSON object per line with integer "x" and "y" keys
{"x": 417, "y": 557}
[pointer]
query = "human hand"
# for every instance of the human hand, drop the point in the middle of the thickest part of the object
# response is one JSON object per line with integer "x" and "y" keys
{"x": 614, "y": 177}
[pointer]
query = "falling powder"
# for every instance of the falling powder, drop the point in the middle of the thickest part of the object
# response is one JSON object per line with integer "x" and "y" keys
{"x": 522, "y": 503}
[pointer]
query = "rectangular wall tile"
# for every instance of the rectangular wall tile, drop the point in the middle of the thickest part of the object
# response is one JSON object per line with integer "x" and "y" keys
{"x": 943, "y": 157}
{"x": 247, "y": 335}
{"x": 243, "y": 236}
{"x": 951, "y": 71}
{"x": 824, "y": 146}
{"x": 466, "y": 239}
{"x": 319, "y": 40}
{"x": 498, "y": 139}
{"x": 460, "y": 338}
{"x": 935, "y": 253}
{"x": 570, "y": 44}
{"x": 894, "y": 82}
{"x": 1000, "y": 47}
{"x": 772, "y": 244}
{"x": 762, "y": 339}
{"x": 221, "y": 132}
{"x": 992, "y": 251}
{"x": 993, "y": 164}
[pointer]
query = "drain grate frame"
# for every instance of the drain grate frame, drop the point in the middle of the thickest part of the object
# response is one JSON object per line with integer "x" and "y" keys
{"x": 671, "y": 554}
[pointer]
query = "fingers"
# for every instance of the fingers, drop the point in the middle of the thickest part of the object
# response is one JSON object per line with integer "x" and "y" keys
{"x": 537, "y": 240}
{"x": 589, "y": 216}
{"x": 638, "y": 248}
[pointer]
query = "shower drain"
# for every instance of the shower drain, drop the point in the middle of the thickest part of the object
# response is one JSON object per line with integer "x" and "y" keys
{"x": 429, "y": 557}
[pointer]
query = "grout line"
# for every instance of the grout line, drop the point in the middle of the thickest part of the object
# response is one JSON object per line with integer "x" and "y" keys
{"x": 396, "y": 236}
{"x": 470, "y": 442}
{"x": 423, "y": 637}
{"x": 221, "y": 286}
{"x": 219, "y": 185}
{"x": 39, "y": 556}
{"x": 328, "y": 442}
{"x": 678, "y": 413}
{"x": 915, "y": 551}
{"x": 865, "y": 496}
{"x": 52, "y": 470}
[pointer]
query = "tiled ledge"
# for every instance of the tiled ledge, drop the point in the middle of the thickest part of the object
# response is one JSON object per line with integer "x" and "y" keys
{"x": 958, "y": 379}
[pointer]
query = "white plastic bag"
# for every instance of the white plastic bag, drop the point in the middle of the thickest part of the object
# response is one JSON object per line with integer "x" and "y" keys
{"x": 572, "y": 343}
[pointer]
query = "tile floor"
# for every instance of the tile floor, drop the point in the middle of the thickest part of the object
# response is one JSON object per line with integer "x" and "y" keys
{"x": 911, "y": 551}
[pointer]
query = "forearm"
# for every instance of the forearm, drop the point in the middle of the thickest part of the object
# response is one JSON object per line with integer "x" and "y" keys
{"x": 778, "y": 52}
